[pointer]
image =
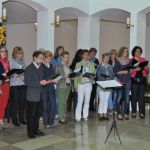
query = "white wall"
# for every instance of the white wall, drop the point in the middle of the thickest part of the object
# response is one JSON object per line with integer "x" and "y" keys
{"x": 66, "y": 35}
{"x": 147, "y": 51}
{"x": 23, "y": 35}
{"x": 113, "y": 35}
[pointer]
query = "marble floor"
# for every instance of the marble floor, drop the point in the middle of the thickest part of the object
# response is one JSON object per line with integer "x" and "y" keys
{"x": 90, "y": 135}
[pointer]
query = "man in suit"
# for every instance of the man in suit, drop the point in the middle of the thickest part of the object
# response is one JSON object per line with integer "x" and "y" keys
{"x": 33, "y": 78}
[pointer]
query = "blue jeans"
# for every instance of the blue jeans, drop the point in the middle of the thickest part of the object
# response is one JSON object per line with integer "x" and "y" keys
{"x": 123, "y": 93}
{"x": 112, "y": 99}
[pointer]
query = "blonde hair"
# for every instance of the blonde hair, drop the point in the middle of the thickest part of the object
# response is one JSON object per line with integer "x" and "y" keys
{"x": 17, "y": 50}
{"x": 121, "y": 51}
{"x": 112, "y": 51}
{"x": 48, "y": 54}
{"x": 104, "y": 55}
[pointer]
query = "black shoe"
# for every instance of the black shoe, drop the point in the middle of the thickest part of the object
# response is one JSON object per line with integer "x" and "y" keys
{"x": 23, "y": 122}
{"x": 62, "y": 121}
{"x": 39, "y": 133}
{"x": 101, "y": 118}
{"x": 16, "y": 124}
{"x": 142, "y": 116}
{"x": 31, "y": 136}
{"x": 106, "y": 118}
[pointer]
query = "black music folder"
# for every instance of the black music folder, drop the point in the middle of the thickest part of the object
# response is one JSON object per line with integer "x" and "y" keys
{"x": 15, "y": 71}
{"x": 89, "y": 75}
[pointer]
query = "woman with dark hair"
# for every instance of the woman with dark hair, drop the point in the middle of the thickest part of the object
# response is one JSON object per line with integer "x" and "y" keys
{"x": 73, "y": 94}
{"x": 57, "y": 54}
{"x": 124, "y": 76}
{"x": 83, "y": 86}
{"x": 138, "y": 83}
{"x": 77, "y": 58}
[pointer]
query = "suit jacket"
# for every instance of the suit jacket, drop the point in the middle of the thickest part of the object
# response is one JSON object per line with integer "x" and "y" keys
{"x": 32, "y": 78}
{"x": 62, "y": 82}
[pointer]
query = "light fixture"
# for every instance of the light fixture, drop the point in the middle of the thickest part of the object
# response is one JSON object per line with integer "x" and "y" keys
{"x": 128, "y": 23}
{"x": 57, "y": 21}
{"x": 35, "y": 25}
{"x": 4, "y": 15}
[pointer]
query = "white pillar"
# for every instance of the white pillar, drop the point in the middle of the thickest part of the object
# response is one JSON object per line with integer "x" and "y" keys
{"x": 0, "y": 11}
{"x": 88, "y": 33}
{"x": 83, "y": 40}
{"x": 133, "y": 31}
{"x": 141, "y": 37}
{"x": 45, "y": 31}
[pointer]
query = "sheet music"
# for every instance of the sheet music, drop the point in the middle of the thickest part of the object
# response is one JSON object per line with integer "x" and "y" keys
{"x": 58, "y": 78}
{"x": 109, "y": 84}
{"x": 77, "y": 70}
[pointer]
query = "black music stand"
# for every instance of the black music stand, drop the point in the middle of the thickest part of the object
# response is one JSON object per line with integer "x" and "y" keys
{"x": 111, "y": 84}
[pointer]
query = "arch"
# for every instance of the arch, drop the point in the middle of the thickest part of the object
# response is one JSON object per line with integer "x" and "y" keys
{"x": 145, "y": 10}
{"x": 70, "y": 13}
{"x": 30, "y": 3}
{"x": 104, "y": 11}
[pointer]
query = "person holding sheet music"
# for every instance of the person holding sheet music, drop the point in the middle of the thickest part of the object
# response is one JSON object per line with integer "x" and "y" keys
{"x": 104, "y": 72}
{"x": 83, "y": 86}
{"x": 33, "y": 78}
{"x": 63, "y": 86}
{"x": 4, "y": 85}
{"x": 138, "y": 83}
{"x": 123, "y": 75}
{"x": 17, "y": 88}
{"x": 48, "y": 92}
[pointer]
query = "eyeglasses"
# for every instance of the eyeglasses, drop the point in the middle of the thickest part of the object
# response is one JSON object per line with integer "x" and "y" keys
{"x": 3, "y": 51}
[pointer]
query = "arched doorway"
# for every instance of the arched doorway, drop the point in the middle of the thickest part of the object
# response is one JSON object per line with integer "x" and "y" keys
{"x": 113, "y": 31}
{"x": 21, "y": 28}
{"x": 66, "y": 33}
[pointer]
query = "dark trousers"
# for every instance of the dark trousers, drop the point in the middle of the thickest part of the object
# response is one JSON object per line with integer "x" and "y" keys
{"x": 48, "y": 98}
{"x": 138, "y": 95}
{"x": 33, "y": 115}
{"x": 18, "y": 103}
{"x": 72, "y": 100}
{"x": 93, "y": 96}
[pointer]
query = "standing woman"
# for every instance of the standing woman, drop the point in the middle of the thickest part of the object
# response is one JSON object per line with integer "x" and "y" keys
{"x": 138, "y": 83}
{"x": 57, "y": 55}
{"x": 63, "y": 86}
{"x": 4, "y": 87}
{"x": 113, "y": 59}
{"x": 123, "y": 75}
{"x": 48, "y": 92}
{"x": 17, "y": 88}
{"x": 104, "y": 69}
{"x": 83, "y": 86}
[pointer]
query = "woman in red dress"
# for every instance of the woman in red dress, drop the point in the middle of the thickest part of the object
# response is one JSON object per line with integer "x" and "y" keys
{"x": 4, "y": 85}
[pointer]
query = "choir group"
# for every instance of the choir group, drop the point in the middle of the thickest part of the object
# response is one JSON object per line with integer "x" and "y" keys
{"x": 50, "y": 86}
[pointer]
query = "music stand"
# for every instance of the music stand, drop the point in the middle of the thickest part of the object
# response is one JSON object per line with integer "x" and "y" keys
{"x": 111, "y": 84}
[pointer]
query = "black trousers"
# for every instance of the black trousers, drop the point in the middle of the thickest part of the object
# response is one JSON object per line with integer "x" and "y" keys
{"x": 33, "y": 115}
{"x": 93, "y": 96}
{"x": 48, "y": 98}
{"x": 18, "y": 103}
{"x": 138, "y": 95}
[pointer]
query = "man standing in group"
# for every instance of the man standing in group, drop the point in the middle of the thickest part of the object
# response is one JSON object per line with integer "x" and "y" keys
{"x": 34, "y": 82}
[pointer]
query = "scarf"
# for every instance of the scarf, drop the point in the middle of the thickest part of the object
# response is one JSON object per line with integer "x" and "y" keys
{"x": 5, "y": 63}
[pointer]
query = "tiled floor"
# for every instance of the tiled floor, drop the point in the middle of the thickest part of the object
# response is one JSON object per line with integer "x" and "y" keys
{"x": 135, "y": 135}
